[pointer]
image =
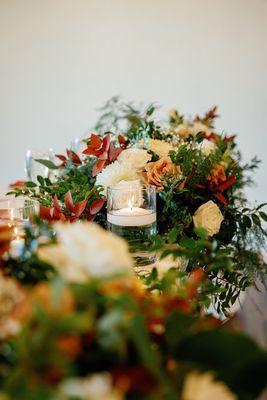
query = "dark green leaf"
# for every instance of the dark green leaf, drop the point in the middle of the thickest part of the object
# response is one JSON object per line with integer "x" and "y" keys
{"x": 47, "y": 163}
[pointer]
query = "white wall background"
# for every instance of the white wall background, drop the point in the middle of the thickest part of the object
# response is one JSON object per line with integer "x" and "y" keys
{"x": 60, "y": 59}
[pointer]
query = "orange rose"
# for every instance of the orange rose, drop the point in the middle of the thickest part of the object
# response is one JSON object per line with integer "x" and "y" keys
{"x": 217, "y": 174}
{"x": 157, "y": 172}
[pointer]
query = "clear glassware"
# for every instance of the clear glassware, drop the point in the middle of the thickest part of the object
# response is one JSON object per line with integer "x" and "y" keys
{"x": 17, "y": 213}
{"x": 131, "y": 214}
{"x": 33, "y": 168}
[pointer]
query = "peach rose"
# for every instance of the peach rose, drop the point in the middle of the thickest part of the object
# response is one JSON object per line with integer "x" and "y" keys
{"x": 157, "y": 172}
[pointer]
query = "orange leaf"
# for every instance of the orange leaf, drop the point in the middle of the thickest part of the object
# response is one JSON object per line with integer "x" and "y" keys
{"x": 61, "y": 157}
{"x": 79, "y": 208}
{"x": 106, "y": 143}
{"x": 74, "y": 157}
{"x": 113, "y": 152}
{"x": 17, "y": 184}
{"x": 46, "y": 212}
{"x": 225, "y": 185}
{"x": 69, "y": 202}
{"x": 99, "y": 165}
{"x": 95, "y": 141}
{"x": 56, "y": 204}
{"x": 96, "y": 206}
{"x": 221, "y": 198}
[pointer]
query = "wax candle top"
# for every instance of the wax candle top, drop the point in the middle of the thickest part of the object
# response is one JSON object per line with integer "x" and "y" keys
{"x": 131, "y": 216}
{"x": 131, "y": 211}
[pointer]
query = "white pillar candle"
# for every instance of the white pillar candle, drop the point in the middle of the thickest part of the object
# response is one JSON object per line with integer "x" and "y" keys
{"x": 131, "y": 216}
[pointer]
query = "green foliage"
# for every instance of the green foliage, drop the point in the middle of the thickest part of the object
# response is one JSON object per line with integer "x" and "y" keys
{"x": 244, "y": 374}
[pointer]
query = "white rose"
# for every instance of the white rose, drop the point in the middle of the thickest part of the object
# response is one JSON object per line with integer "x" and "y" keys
{"x": 134, "y": 157}
{"x": 94, "y": 387}
{"x": 115, "y": 173}
{"x": 86, "y": 250}
{"x": 207, "y": 147}
{"x": 209, "y": 217}
{"x": 201, "y": 386}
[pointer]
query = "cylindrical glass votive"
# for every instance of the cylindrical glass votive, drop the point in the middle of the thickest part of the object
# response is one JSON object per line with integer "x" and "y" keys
{"x": 131, "y": 214}
{"x": 17, "y": 213}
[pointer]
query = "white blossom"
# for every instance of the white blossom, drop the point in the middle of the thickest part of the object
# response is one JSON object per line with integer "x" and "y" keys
{"x": 86, "y": 250}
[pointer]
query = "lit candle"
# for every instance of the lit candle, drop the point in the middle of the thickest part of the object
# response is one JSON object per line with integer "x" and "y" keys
{"x": 17, "y": 244}
{"x": 131, "y": 216}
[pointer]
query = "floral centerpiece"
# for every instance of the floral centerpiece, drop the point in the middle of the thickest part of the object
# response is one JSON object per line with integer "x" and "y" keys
{"x": 199, "y": 176}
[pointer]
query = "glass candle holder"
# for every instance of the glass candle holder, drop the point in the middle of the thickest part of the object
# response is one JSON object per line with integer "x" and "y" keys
{"x": 17, "y": 213}
{"x": 33, "y": 168}
{"x": 131, "y": 214}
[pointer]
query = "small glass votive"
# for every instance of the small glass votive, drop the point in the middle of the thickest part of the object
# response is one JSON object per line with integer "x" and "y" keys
{"x": 33, "y": 168}
{"x": 131, "y": 214}
{"x": 17, "y": 213}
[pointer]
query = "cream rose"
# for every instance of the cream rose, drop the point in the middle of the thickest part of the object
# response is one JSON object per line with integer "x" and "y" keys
{"x": 134, "y": 157}
{"x": 160, "y": 147}
{"x": 202, "y": 386}
{"x": 209, "y": 217}
{"x": 86, "y": 250}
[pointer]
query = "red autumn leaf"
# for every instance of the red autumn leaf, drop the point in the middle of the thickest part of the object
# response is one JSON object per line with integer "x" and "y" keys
{"x": 69, "y": 202}
{"x": 103, "y": 156}
{"x": 61, "y": 217}
{"x": 90, "y": 151}
{"x": 17, "y": 184}
{"x": 74, "y": 157}
{"x": 95, "y": 141}
{"x": 46, "y": 213}
{"x": 113, "y": 152}
{"x": 96, "y": 206}
{"x": 229, "y": 138}
{"x": 225, "y": 185}
{"x": 79, "y": 208}
{"x": 221, "y": 198}
{"x": 123, "y": 142}
{"x": 97, "y": 168}
{"x": 95, "y": 146}
{"x": 90, "y": 218}
{"x": 212, "y": 137}
{"x": 61, "y": 157}
{"x": 56, "y": 204}
{"x": 106, "y": 143}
